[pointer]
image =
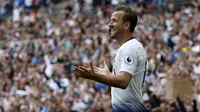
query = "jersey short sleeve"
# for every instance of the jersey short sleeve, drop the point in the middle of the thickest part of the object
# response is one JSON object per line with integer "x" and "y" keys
{"x": 129, "y": 58}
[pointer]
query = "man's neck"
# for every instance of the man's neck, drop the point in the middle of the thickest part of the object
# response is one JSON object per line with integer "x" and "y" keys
{"x": 125, "y": 38}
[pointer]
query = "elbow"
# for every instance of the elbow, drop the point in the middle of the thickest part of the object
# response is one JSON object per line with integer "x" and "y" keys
{"x": 124, "y": 86}
{"x": 124, "y": 79}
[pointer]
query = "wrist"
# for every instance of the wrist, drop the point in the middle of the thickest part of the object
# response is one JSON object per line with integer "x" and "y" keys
{"x": 94, "y": 76}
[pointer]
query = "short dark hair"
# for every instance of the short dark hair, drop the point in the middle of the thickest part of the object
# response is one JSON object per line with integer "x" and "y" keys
{"x": 129, "y": 16}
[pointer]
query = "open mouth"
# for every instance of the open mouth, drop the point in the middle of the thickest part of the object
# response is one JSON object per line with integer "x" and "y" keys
{"x": 112, "y": 31}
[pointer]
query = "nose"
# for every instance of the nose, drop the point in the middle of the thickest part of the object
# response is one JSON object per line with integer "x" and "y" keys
{"x": 110, "y": 24}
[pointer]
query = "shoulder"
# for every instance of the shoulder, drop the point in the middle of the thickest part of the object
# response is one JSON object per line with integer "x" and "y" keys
{"x": 132, "y": 46}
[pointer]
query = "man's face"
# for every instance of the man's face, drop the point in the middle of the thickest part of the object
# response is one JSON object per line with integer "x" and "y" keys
{"x": 116, "y": 25}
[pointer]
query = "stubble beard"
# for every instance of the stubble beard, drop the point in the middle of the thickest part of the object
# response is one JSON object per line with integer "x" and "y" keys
{"x": 116, "y": 36}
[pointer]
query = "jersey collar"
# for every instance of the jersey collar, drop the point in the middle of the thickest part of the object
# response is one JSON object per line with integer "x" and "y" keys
{"x": 131, "y": 38}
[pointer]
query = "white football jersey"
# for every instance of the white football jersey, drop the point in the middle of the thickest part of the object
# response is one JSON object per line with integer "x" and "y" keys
{"x": 131, "y": 58}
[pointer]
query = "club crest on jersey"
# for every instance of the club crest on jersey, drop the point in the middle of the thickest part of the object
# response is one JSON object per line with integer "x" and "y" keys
{"x": 128, "y": 59}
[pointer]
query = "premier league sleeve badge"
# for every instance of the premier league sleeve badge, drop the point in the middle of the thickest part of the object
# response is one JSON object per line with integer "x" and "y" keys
{"x": 128, "y": 59}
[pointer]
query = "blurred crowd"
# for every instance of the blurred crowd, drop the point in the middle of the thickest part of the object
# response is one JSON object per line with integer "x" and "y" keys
{"x": 39, "y": 50}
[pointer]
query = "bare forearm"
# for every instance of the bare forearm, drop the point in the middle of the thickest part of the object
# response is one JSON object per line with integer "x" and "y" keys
{"x": 111, "y": 80}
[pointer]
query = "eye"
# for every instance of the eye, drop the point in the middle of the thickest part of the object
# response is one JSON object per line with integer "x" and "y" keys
{"x": 113, "y": 19}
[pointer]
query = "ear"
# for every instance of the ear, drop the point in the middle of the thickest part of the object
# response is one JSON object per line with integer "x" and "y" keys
{"x": 127, "y": 25}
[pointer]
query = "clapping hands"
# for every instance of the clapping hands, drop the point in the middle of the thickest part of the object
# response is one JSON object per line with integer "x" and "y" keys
{"x": 92, "y": 71}
{"x": 103, "y": 71}
{"x": 84, "y": 72}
